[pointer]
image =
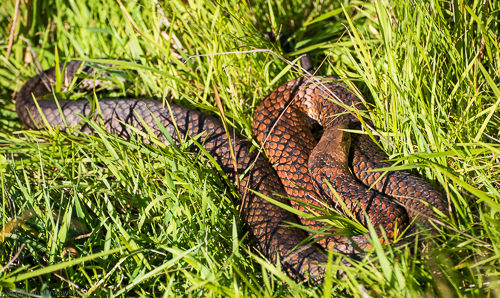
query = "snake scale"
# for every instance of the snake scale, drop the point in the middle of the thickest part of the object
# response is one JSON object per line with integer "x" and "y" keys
{"x": 282, "y": 124}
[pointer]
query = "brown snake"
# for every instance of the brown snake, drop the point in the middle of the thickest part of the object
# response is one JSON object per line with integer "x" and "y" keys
{"x": 282, "y": 126}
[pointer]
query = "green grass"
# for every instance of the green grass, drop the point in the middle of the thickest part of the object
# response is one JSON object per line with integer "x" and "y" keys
{"x": 100, "y": 215}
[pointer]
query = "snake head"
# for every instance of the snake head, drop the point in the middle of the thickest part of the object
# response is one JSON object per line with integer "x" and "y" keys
{"x": 332, "y": 149}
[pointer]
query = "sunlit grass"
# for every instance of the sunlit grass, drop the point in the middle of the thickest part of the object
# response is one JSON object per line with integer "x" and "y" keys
{"x": 101, "y": 215}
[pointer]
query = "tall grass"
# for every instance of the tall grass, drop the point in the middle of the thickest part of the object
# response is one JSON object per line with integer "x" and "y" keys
{"x": 104, "y": 216}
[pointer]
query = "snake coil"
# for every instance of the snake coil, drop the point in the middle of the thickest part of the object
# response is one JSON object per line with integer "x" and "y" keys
{"x": 282, "y": 126}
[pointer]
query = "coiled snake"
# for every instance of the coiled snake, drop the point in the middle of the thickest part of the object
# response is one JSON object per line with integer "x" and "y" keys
{"x": 282, "y": 125}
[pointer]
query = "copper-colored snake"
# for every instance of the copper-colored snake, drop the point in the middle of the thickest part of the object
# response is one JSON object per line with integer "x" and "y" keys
{"x": 282, "y": 125}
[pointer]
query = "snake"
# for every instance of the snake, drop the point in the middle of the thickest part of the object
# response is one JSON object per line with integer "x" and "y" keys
{"x": 296, "y": 169}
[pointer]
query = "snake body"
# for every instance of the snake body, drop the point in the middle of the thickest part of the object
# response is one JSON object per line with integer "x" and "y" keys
{"x": 288, "y": 142}
{"x": 340, "y": 159}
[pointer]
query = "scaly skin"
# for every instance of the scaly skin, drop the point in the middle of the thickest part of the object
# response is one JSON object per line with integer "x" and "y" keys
{"x": 290, "y": 147}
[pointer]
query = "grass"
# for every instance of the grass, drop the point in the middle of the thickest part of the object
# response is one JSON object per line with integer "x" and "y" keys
{"x": 98, "y": 215}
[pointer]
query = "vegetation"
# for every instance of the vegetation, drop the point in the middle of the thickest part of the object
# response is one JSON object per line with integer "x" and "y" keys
{"x": 98, "y": 215}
